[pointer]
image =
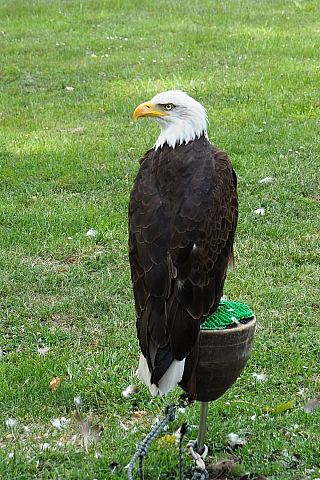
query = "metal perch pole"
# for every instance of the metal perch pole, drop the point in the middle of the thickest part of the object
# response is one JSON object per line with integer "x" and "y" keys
{"x": 202, "y": 426}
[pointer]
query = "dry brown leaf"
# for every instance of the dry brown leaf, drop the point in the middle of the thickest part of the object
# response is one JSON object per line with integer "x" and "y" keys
{"x": 222, "y": 467}
{"x": 55, "y": 383}
{"x": 138, "y": 413}
{"x": 137, "y": 417}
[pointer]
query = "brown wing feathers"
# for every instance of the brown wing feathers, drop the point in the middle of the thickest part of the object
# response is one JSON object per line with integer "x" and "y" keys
{"x": 182, "y": 219}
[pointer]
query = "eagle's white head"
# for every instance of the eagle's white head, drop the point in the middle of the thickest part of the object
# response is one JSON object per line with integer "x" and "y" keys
{"x": 181, "y": 118}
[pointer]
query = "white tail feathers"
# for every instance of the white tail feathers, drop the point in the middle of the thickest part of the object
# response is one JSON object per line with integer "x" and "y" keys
{"x": 169, "y": 380}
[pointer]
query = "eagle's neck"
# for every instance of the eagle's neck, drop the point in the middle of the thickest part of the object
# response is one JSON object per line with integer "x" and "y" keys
{"x": 179, "y": 131}
{"x": 174, "y": 140}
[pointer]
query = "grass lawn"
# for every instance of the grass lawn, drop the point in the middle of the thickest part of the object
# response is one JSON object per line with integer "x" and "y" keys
{"x": 72, "y": 73}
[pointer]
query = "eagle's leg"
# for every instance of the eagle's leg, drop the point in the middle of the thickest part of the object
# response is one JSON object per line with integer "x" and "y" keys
{"x": 191, "y": 392}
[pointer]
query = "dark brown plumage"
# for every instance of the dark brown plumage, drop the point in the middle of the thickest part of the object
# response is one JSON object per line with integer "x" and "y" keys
{"x": 182, "y": 219}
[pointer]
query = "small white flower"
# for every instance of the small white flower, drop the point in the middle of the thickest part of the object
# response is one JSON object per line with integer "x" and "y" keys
{"x": 261, "y": 377}
{"x": 91, "y": 233}
{"x": 11, "y": 422}
{"x": 260, "y": 211}
{"x": 254, "y": 417}
{"x": 69, "y": 88}
{"x": 11, "y": 454}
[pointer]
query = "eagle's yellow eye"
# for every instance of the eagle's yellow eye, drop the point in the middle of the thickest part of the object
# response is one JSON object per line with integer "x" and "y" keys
{"x": 168, "y": 106}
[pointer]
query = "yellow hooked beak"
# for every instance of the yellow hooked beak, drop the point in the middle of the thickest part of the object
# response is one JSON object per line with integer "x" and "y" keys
{"x": 147, "y": 110}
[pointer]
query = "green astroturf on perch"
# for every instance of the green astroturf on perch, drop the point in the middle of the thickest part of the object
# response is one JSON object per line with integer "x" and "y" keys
{"x": 228, "y": 315}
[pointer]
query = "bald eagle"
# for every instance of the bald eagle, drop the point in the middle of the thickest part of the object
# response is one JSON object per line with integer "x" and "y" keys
{"x": 183, "y": 214}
